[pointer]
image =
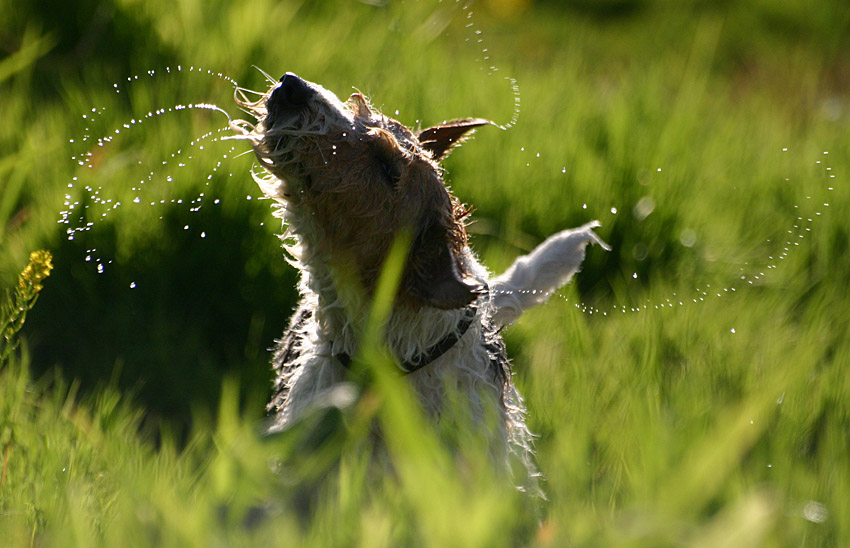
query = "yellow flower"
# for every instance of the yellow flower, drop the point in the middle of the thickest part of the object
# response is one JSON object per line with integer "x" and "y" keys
{"x": 36, "y": 271}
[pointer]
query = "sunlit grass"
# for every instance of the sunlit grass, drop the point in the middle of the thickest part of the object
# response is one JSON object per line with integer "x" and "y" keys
{"x": 721, "y": 422}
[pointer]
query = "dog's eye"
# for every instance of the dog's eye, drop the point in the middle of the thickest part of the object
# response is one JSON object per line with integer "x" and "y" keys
{"x": 389, "y": 162}
{"x": 388, "y": 157}
{"x": 390, "y": 170}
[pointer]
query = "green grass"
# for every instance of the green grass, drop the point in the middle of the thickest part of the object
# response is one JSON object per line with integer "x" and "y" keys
{"x": 132, "y": 417}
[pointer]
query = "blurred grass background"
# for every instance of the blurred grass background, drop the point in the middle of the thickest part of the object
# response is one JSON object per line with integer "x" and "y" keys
{"x": 130, "y": 415}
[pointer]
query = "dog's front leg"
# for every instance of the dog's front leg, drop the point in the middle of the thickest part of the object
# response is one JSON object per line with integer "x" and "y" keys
{"x": 534, "y": 277}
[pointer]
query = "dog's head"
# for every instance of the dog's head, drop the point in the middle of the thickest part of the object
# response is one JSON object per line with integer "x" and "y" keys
{"x": 359, "y": 178}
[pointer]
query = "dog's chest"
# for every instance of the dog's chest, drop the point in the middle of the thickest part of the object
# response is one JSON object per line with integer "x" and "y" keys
{"x": 473, "y": 365}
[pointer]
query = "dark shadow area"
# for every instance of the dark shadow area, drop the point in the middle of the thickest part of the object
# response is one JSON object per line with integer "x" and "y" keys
{"x": 92, "y": 39}
{"x": 200, "y": 310}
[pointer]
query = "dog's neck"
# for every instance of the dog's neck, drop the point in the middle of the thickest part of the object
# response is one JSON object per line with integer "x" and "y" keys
{"x": 343, "y": 307}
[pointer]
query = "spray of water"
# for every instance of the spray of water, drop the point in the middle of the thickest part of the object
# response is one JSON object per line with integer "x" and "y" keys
{"x": 77, "y": 220}
{"x": 749, "y": 274}
{"x": 486, "y": 64}
{"x": 81, "y": 214}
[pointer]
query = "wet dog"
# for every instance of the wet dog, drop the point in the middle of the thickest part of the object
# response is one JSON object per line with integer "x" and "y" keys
{"x": 348, "y": 180}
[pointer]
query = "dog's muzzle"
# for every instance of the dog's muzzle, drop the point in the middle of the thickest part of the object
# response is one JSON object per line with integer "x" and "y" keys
{"x": 290, "y": 96}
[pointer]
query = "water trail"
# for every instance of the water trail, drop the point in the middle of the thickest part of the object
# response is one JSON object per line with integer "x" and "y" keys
{"x": 87, "y": 202}
{"x": 78, "y": 217}
{"x": 486, "y": 63}
{"x": 749, "y": 275}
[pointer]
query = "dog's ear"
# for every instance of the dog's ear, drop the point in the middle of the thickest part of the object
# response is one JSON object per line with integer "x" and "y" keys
{"x": 433, "y": 273}
{"x": 440, "y": 140}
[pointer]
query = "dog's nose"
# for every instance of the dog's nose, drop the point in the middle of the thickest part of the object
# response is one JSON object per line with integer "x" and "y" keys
{"x": 293, "y": 90}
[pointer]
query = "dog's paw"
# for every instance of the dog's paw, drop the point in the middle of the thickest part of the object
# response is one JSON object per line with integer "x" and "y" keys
{"x": 587, "y": 230}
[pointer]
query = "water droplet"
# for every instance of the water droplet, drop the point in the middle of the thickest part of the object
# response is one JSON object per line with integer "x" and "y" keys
{"x": 643, "y": 208}
{"x": 815, "y": 512}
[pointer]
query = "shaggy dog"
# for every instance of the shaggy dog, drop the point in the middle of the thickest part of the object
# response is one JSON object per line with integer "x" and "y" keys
{"x": 348, "y": 180}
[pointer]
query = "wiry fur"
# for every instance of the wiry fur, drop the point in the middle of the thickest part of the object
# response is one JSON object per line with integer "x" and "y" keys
{"x": 347, "y": 180}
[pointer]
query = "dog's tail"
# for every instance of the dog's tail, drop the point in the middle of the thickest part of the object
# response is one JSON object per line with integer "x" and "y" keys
{"x": 533, "y": 278}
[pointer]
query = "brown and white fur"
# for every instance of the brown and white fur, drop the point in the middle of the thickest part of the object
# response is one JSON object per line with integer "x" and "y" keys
{"x": 347, "y": 181}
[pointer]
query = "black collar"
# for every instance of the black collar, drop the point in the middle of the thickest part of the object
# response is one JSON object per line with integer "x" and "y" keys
{"x": 443, "y": 345}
